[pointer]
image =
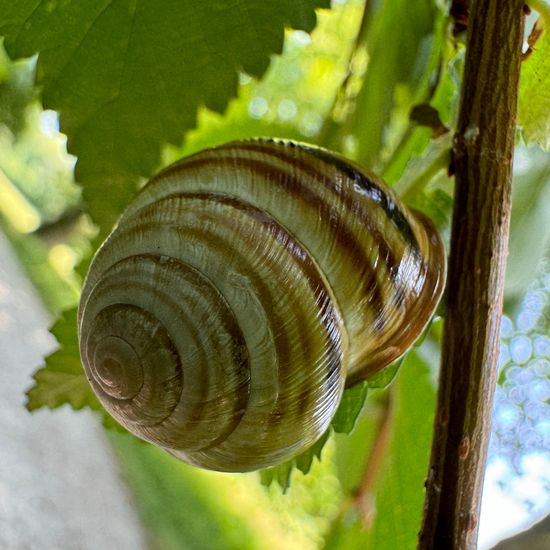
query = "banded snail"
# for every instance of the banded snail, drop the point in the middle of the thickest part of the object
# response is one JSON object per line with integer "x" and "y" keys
{"x": 242, "y": 289}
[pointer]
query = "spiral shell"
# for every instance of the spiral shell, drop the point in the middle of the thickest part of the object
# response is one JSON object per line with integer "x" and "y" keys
{"x": 242, "y": 289}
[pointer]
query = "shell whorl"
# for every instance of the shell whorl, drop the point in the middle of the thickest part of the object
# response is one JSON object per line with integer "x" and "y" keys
{"x": 242, "y": 289}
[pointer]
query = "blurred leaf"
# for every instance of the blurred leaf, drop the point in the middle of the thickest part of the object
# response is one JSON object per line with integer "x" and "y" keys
{"x": 437, "y": 205}
{"x": 282, "y": 473}
{"x": 180, "y": 509}
{"x": 400, "y": 488}
{"x": 352, "y": 450}
{"x": 403, "y": 42}
{"x": 530, "y": 230}
{"x": 127, "y": 77}
{"x": 36, "y": 163}
{"x": 426, "y": 115}
{"x": 350, "y": 408}
{"x": 418, "y": 148}
{"x": 348, "y": 532}
{"x": 536, "y": 537}
{"x": 398, "y": 492}
{"x": 534, "y": 92}
{"x": 56, "y": 293}
{"x": 62, "y": 380}
{"x": 16, "y": 91}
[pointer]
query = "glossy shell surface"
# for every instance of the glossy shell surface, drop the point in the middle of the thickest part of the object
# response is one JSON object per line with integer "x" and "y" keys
{"x": 242, "y": 290}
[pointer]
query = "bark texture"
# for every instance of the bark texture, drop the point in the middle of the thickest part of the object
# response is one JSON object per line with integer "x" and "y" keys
{"x": 482, "y": 161}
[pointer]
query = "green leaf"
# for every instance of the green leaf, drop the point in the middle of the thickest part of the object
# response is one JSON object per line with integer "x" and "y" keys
{"x": 128, "y": 76}
{"x": 282, "y": 473}
{"x": 16, "y": 91}
{"x": 180, "y": 509}
{"x": 57, "y": 295}
{"x": 402, "y": 41}
{"x": 529, "y": 230}
{"x": 350, "y": 408}
{"x": 398, "y": 492}
{"x": 534, "y": 93}
{"x": 400, "y": 489}
{"x": 437, "y": 205}
{"x": 278, "y": 474}
{"x": 384, "y": 377}
{"x": 352, "y": 450}
{"x": 62, "y": 380}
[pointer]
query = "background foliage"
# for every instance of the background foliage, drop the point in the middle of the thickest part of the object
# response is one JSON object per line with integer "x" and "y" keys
{"x": 379, "y": 82}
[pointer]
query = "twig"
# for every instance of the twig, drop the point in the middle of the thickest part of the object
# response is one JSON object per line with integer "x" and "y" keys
{"x": 483, "y": 150}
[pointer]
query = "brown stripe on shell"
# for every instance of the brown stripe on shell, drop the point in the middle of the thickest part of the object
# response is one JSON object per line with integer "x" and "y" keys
{"x": 401, "y": 300}
{"x": 281, "y": 150}
{"x": 319, "y": 289}
{"x": 324, "y": 297}
{"x": 270, "y": 306}
{"x": 422, "y": 310}
{"x": 345, "y": 238}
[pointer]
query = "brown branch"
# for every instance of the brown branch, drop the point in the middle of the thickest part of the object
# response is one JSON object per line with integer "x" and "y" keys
{"x": 483, "y": 150}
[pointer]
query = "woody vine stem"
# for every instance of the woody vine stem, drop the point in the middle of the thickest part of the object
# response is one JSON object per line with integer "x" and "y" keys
{"x": 482, "y": 161}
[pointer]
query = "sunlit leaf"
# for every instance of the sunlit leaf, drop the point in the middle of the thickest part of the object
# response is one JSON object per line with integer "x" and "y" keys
{"x": 400, "y": 488}
{"x": 529, "y": 230}
{"x": 57, "y": 295}
{"x": 394, "y": 502}
{"x": 403, "y": 44}
{"x": 282, "y": 474}
{"x": 534, "y": 96}
{"x": 180, "y": 509}
{"x": 350, "y": 407}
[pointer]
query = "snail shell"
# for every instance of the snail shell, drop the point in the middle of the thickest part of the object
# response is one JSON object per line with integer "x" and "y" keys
{"x": 242, "y": 289}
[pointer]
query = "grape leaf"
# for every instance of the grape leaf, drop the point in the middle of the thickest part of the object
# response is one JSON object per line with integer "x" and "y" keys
{"x": 128, "y": 76}
{"x": 16, "y": 91}
{"x": 534, "y": 93}
{"x": 62, "y": 380}
{"x": 282, "y": 473}
{"x": 384, "y": 377}
{"x": 350, "y": 407}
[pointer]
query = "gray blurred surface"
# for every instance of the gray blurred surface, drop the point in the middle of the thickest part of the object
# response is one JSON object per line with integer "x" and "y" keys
{"x": 60, "y": 487}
